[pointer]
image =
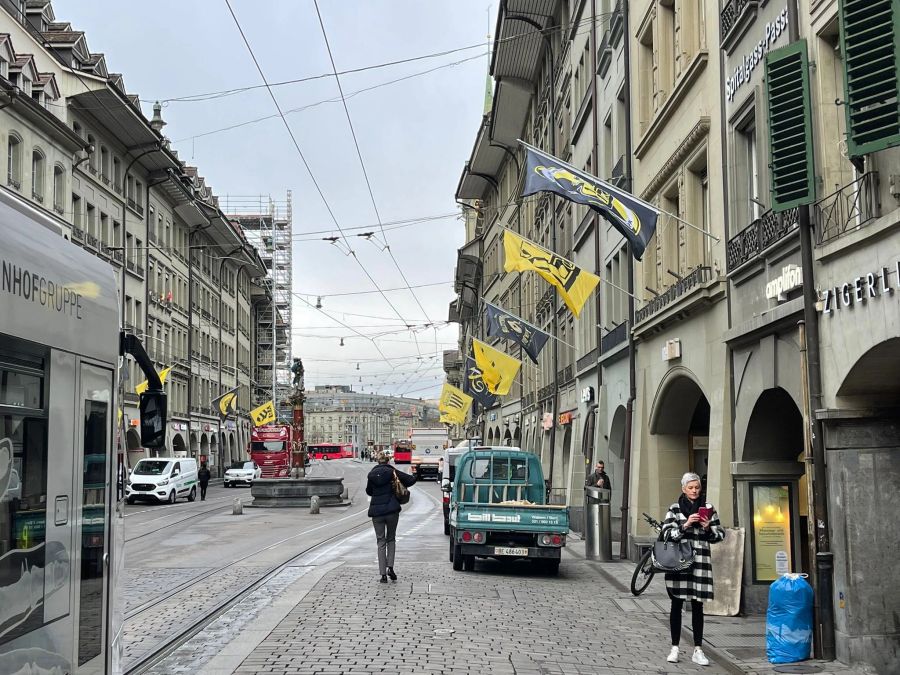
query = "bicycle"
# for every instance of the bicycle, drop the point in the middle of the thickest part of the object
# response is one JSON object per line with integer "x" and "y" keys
{"x": 644, "y": 571}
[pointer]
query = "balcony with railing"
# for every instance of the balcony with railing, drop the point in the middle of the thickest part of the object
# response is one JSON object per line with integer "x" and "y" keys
{"x": 587, "y": 360}
{"x": 567, "y": 374}
{"x": 37, "y": 196}
{"x": 91, "y": 241}
{"x": 749, "y": 243}
{"x": 545, "y": 392}
{"x": 847, "y": 209}
{"x": 528, "y": 400}
{"x": 77, "y": 233}
{"x": 684, "y": 286}
{"x": 734, "y": 14}
{"x": 614, "y": 338}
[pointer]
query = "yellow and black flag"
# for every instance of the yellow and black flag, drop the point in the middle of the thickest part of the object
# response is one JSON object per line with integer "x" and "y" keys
{"x": 226, "y": 403}
{"x": 454, "y": 405}
{"x": 264, "y": 414}
{"x": 634, "y": 218}
{"x": 574, "y": 284}
{"x": 498, "y": 370}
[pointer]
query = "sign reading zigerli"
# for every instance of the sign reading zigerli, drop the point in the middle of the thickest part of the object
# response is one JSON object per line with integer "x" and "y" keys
{"x": 862, "y": 288}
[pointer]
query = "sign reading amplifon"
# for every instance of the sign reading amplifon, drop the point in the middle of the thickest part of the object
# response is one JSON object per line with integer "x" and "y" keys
{"x": 863, "y": 288}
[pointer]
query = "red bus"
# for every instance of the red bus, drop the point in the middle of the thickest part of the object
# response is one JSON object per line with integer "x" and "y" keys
{"x": 270, "y": 448}
{"x": 331, "y": 450}
{"x": 403, "y": 452}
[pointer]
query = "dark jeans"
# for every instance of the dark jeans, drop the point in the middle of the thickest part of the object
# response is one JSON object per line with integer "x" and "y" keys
{"x": 203, "y": 487}
{"x": 696, "y": 620}
{"x": 385, "y": 534}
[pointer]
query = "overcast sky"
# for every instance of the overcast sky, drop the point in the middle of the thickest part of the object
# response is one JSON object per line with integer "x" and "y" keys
{"x": 415, "y": 136}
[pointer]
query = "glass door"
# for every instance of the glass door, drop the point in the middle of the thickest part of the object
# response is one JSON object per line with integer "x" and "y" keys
{"x": 96, "y": 401}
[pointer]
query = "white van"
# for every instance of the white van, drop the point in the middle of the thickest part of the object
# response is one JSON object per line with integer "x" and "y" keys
{"x": 162, "y": 479}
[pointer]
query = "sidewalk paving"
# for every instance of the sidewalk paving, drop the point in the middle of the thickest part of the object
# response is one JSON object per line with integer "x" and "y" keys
{"x": 738, "y": 642}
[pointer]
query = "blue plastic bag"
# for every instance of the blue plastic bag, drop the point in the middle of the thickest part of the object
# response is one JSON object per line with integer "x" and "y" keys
{"x": 789, "y": 620}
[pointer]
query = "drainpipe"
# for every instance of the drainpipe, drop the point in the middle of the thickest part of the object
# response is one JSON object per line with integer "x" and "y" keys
{"x": 632, "y": 376}
{"x": 824, "y": 583}
{"x": 595, "y": 162}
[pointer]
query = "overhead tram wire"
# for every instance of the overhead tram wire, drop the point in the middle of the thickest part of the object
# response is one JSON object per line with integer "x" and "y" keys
{"x": 348, "y": 327}
{"x": 303, "y": 158}
{"x": 362, "y": 162}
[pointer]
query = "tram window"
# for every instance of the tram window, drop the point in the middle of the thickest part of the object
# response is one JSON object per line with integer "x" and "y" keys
{"x": 93, "y": 529}
{"x": 23, "y": 496}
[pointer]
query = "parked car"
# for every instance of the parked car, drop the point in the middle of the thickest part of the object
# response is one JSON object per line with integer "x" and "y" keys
{"x": 162, "y": 479}
{"x": 242, "y": 473}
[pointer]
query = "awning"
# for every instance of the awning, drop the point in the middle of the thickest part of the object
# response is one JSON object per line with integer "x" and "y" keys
{"x": 519, "y": 43}
{"x": 483, "y": 168}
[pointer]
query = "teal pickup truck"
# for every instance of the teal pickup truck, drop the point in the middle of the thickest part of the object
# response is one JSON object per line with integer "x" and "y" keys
{"x": 499, "y": 510}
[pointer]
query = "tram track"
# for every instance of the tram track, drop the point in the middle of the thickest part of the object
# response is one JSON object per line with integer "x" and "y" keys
{"x": 172, "y": 641}
{"x": 187, "y": 516}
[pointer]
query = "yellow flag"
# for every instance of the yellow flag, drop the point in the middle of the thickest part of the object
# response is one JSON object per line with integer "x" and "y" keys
{"x": 141, "y": 387}
{"x": 454, "y": 405}
{"x": 498, "y": 370}
{"x": 263, "y": 414}
{"x": 574, "y": 284}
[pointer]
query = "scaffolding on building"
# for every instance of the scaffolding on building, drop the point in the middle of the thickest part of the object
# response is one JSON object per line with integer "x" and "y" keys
{"x": 267, "y": 224}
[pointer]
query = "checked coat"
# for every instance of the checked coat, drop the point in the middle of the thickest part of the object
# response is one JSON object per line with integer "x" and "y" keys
{"x": 696, "y": 582}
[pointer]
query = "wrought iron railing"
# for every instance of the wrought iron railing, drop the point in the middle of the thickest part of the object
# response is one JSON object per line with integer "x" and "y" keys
{"x": 528, "y": 400}
{"x": 847, "y": 209}
{"x": 59, "y": 209}
{"x": 566, "y": 374}
{"x": 130, "y": 265}
{"x": 769, "y": 228}
{"x": 77, "y": 233}
{"x": 37, "y": 196}
{"x": 118, "y": 256}
{"x": 700, "y": 275}
{"x": 13, "y": 183}
{"x": 545, "y": 392}
{"x": 730, "y": 14}
{"x": 586, "y": 360}
{"x": 91, "y": 241}
{"x": 614, "y": 338}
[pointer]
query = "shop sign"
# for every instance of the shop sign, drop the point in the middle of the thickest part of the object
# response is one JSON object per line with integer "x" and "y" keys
{"x": 206, "y": 427}
{"x": 587, "y": 394}
{"x": 230, "y": 425}
{"x": 565, "y": 418}
{"x": 547, "y": 421}
{"x": 770, "y": 505}
{"x": 748, "y": 62}
{"x": 179, "y": 426}
{"x": 868, "y": 287}
{"x": 791, "y": 278}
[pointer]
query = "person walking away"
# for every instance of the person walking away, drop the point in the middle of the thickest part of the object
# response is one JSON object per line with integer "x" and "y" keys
{"x": 690, "y": 519}
{"x": 203, "y": 476}
{"x": 599, "y": 478}
{"x": 384, "y": 510}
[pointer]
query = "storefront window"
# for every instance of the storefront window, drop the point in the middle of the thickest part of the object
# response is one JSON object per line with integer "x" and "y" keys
{"x": 772, "y": 541}
{"x": 23, "y": 493}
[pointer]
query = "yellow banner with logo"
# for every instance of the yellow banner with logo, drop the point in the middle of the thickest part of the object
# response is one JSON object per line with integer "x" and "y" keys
{"x": 264, "y": 414}
{"x": 498, "y": 370}
{"x": 574, "y": 284}
{"x": 141, "y": 387}
{"x": 454, "y": 405}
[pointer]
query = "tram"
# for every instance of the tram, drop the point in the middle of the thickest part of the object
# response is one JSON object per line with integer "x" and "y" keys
{"x": 61, "y": 529}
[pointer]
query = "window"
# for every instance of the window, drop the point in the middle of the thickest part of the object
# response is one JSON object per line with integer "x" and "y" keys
{"x": 92, "y": 159}
{"x": 669, "y": 268}
{"x": 77, "y": 216}
{"x": 746, "y": 174}
{"x": 607, "y": 147}
{"x": 37, "y": 175}
{"x": 14, "y": 161}
{"x": 117, "y": 174}
{"x": 91, "y": 225}
{"x": 23, "y": 504}
{"x": 647, "y": 79}
{"x": 59, "y": 186}
{"x": 104, "y": 164}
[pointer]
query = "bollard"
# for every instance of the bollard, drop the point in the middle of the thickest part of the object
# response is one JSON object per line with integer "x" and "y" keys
{"x": 237, "y": 508}
{"x": 314, "y": 504}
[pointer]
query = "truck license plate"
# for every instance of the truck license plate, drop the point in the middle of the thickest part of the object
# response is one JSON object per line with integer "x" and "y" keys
{"x": 505, "y": 550}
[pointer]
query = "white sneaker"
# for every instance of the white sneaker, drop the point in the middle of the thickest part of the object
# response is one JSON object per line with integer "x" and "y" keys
{"x": 699, "y": 657}
{"x": 673, "y": 655}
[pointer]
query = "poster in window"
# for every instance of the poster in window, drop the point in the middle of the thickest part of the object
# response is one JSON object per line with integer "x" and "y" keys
{"x": 771, "y": 506}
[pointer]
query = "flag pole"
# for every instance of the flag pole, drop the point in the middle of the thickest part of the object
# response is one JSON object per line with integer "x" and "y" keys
{"x": 691, "y": 225}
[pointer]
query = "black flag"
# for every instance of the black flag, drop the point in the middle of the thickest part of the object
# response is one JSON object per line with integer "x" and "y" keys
{"x": 511, "y": 327}
{"x": 634, "y": 218}
{"x": 475, "y": 387}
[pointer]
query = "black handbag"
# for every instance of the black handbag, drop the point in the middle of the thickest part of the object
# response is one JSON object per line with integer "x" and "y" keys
{"x": 401, "y": 493}
{"x": 672, "y": 556}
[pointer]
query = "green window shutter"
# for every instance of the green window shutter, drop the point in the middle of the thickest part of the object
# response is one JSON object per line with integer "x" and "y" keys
{"x": 790, "y": 133}
{"x": 870, "y": 43}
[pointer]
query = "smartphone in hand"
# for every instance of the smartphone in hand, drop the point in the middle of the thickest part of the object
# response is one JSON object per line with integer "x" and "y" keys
{"x": 705, "y": 512}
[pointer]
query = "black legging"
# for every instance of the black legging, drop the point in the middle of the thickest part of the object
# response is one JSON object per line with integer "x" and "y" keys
{"x": 696, "y": 620}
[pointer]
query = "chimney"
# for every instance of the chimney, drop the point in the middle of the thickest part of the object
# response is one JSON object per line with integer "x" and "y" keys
{"x": 157, "y": 123}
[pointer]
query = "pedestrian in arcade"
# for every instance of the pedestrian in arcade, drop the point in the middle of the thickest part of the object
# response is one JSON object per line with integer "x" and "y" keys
{"x": 690, "y": 519}
{"x": 599, "y": 478}
{"x": 203, "y": 476}
{"x": 384, "y": 510}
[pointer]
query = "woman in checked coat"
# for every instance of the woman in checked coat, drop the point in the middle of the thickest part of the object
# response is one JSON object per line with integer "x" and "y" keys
{"x": 685, "y": 521}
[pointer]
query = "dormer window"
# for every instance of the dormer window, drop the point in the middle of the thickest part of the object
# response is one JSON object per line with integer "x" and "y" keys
{"x": 25, "y": 85}
{"x": 4, "y": 67}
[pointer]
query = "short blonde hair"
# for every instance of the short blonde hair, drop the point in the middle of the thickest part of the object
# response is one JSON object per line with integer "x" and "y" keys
{"x": 689, "y": 477}
{"x": 383, "y": 457}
